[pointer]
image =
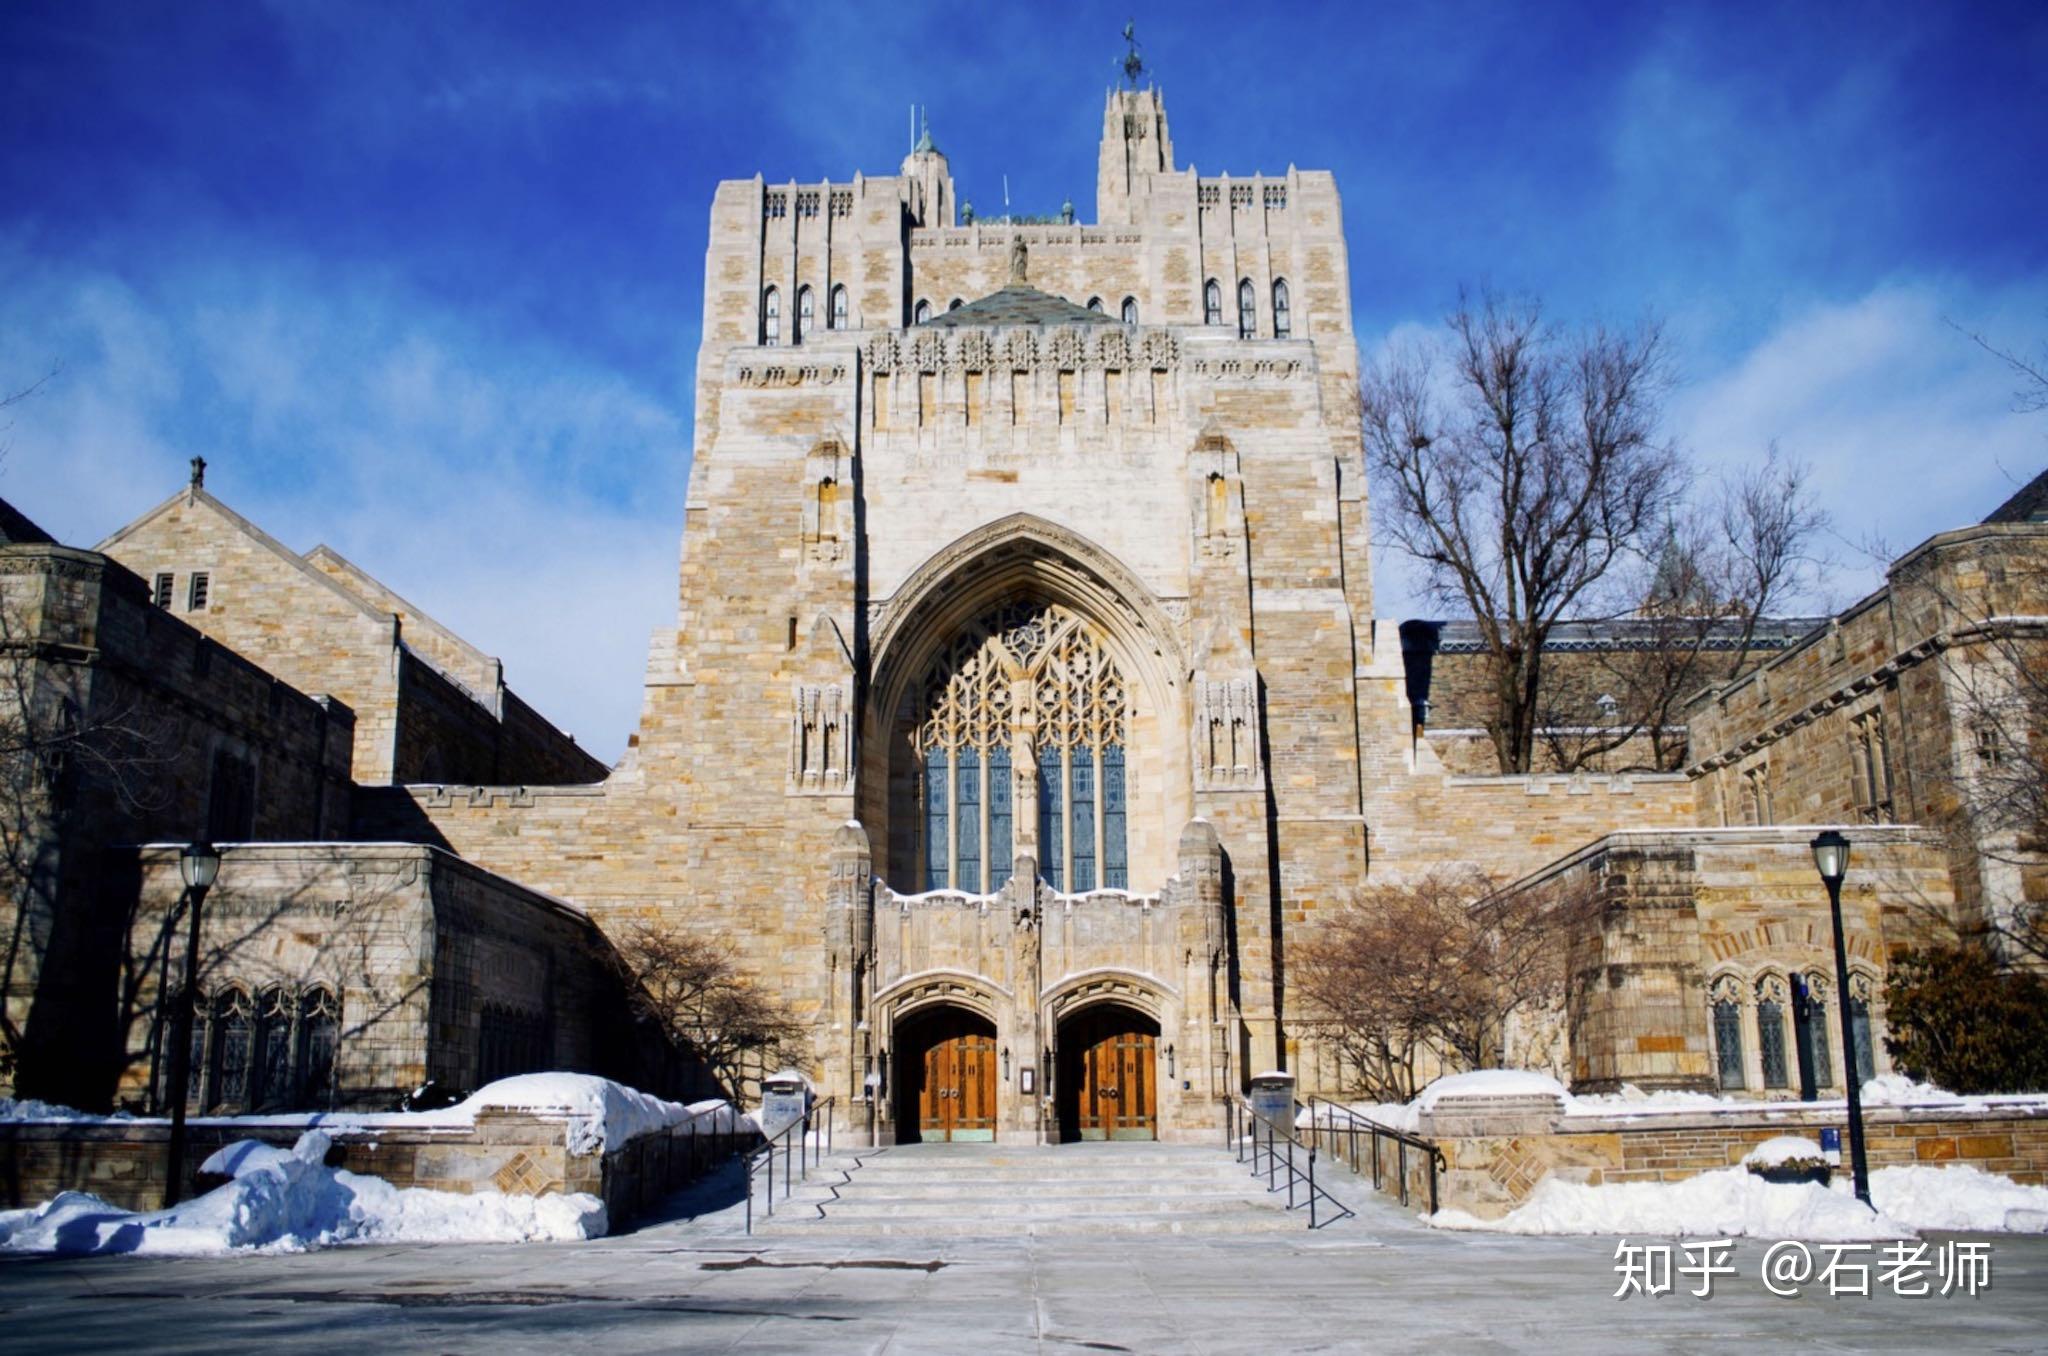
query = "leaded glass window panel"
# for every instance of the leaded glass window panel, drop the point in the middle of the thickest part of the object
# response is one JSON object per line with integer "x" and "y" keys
{"x": 1728, "y": 1043}
{"x": 319, "y": 1034}
{"x": 1001, "y": 792}
{"x": 1770, "y": 1039}
{"x": 1083, "y": 818}
{"x": 938, "y": 867}
{"x": 967, "y": 815}
{"x": 233, "y": 1032}
{"x": 1116, "y": 872}
{"x": 1859, "y": 1030}
{"x": 1051, "y": 820}
{"x": 272, "y": 1079}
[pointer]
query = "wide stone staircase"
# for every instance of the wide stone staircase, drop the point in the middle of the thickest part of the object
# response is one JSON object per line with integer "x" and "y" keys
{"x": 994, "y": 1190}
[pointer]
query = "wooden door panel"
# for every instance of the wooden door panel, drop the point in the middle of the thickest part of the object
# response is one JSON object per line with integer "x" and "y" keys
{"x": 1117, "y": 1093}
{"x": 958, "y": 1098}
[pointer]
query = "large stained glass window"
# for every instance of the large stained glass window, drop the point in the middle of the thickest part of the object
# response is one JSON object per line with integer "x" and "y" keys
{"x": 974, "y": 753}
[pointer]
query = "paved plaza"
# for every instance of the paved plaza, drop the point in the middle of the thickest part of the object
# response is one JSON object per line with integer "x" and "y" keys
{"x": 1379, "y": 1282}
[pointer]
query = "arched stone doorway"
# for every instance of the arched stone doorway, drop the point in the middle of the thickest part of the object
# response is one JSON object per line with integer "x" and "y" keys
{"x": 1108, "y": 1077}
{"x": 945, "y": 1076}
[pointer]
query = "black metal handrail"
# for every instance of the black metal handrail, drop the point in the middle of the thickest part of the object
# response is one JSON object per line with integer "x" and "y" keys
{"x": 798, "y": 1157}
{"x": 1243, "y": 1128}
{"x": 1345, "y": 1129}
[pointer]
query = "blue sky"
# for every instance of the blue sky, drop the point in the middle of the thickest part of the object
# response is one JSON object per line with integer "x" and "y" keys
{"x": 422, "y": 281}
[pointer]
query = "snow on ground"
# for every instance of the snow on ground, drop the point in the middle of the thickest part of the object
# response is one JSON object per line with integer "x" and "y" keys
{"x": 1735, "y": 1202}
{"x": 289, "y": 1201}
{"x": 600, "y": 1112}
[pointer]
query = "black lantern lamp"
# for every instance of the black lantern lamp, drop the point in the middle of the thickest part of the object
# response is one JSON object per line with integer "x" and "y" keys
{"x": 198, "y": 867}
{"x": 1831, "y": 859}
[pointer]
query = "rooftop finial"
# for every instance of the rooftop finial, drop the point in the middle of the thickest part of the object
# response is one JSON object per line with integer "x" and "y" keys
{"x": 924, "y": 135}
{"x": 198, "y": 473}
{"x": 1132, "y": 64}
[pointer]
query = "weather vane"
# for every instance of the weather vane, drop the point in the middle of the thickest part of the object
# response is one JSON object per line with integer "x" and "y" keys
{"x": 1133, "y": 65}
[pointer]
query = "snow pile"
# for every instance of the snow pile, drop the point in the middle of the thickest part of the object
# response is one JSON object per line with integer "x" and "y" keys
{"x": 1492, "y": 1083}
{"x": 1729, "y": 1203}
{"x": 1632, "y": 1099}
{"x": 289, "y": 1201}
{"x": 1784, "y": 1149}
{"x": 1959, "y": 1197}
{"x": 1734, "y": 1202}
{"x": 600, "y": 1112}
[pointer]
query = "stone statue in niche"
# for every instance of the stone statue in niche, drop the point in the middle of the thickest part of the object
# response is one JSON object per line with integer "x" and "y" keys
{"x": 1020, "y": 262}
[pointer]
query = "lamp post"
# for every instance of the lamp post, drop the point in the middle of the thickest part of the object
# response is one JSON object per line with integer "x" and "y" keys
{"x": 198, "y": 864}
{"x": 1831, "y": 858}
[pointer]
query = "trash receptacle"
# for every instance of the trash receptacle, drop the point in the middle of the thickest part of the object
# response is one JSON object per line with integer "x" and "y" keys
{"x": 784, "y": 1098}
{"x": 1273, "y": 1099}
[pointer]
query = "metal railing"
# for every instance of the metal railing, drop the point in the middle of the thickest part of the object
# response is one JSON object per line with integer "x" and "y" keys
{"x": 1251, "y": 1135}
{"x": 799, "y": 1155}
{"x": 1355, "y": 1139}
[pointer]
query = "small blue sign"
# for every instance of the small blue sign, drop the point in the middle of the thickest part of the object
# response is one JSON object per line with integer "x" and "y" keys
{"x": 1831, "y": 1140}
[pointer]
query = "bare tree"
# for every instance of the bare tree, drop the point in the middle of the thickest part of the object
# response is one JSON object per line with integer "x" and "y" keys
{"x": 1431, "y": 971}
{"x": 1521, "y": 465}
{"x": 1727, "y": 564}
{"x": 2031, "y": 395}
{"x": 691, "y": 988}
{"x": 78, "y": 759}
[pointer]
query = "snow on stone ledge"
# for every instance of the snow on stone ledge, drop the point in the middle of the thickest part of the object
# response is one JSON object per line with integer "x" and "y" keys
{"x": 1784, "y": 1149}
{"x": 1492, "y": 1083}
{"x": 601, "y": 1113}
{"x": 1734, "y": 1202}
{"x": 289, "y": 1201}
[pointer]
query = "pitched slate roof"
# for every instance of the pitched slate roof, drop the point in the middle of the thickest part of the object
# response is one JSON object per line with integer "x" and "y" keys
{"x": 1019, "y": 304}
{"x": 2030, "y": 505}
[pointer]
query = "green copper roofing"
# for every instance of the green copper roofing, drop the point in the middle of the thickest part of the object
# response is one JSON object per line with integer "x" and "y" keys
{"x": 1019, "y": 304}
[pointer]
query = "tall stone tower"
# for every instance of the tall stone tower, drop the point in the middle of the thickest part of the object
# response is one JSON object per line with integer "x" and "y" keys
{"x": 1135, "y": 146}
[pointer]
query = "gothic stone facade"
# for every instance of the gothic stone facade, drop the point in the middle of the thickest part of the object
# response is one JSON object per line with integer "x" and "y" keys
{"x": 1024, "y": 698}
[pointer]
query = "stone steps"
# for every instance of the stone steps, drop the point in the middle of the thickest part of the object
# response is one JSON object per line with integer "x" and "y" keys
{"x": 1002, "y": 1191}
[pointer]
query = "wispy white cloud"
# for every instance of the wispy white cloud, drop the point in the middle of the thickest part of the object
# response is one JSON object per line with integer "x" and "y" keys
{"x": 528, "y": 497}
{"x": 1909, "y": 427}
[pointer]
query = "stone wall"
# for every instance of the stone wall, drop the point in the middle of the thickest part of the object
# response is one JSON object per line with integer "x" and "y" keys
{"x": 430, "y": 957}
{"x": 429, "y": 706}
{"x": 179, "y": 739}
{"x": 1869, "y": 720}
{"x": 1495, "y": 1154}
{"x": 519, "y": 1153}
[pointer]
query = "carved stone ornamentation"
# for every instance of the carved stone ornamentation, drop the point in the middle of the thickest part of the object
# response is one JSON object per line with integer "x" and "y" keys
{"x": 1113, "y": 349}
{"x": 976, "y": 351}
{"x": 883, "y": 353}
{"x": 821, "y": 741}
{"x": 1064, "y": 350}
{"x": 928, "y": 352}
{"x": 1226, "y": 728}
{"x": 1020, "y": 350}
{"x": 1162, "y": 350}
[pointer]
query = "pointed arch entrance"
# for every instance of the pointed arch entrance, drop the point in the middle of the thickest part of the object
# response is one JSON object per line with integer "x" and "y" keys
{"x": 1107, "y": 1085}
{"x": 946, "y": 1076}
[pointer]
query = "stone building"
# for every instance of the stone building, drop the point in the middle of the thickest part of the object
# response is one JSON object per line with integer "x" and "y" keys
{"x": 1025, "y": 703}
{"x": 333, "y": 972}
{"x": 429, "y": 706}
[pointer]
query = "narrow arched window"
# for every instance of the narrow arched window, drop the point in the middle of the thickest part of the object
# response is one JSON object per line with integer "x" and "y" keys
{"x": 1247, "y": 309}
{"x": 1864, "y": 1059}
{"x": 1728, "y": 1043}
{"x": 1095, "y": 305}
{"x": 1283, "y": 313}
{"x": 270, "y": 1083}
{"x": 233, "y": 1029}
{"x": 803, "y": 313}
{"x": 838, "y": 321}
{"x": 1130, "y": 310}
{"x": 1770, "y": 1033}
{"x": 954, "y": 304}
{"x": 319, "y": 1036}
{"x": 1212, "y": 303}
{"x": 922, "y": 313}
{"x": 771, "y": 317}
{"x": 1810, "y": 1027}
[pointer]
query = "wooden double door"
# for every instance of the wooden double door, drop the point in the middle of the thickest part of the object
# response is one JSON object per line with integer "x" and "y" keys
{"x": 1113, "y": 1064}
{"x": 956, "y": 1083}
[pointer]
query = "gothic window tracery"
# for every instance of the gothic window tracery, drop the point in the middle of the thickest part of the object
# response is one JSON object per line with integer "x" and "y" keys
{"x": 1030, "y": 693}
{"x": 837, "y": 320}
{"x": 1727, "y": 1006}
